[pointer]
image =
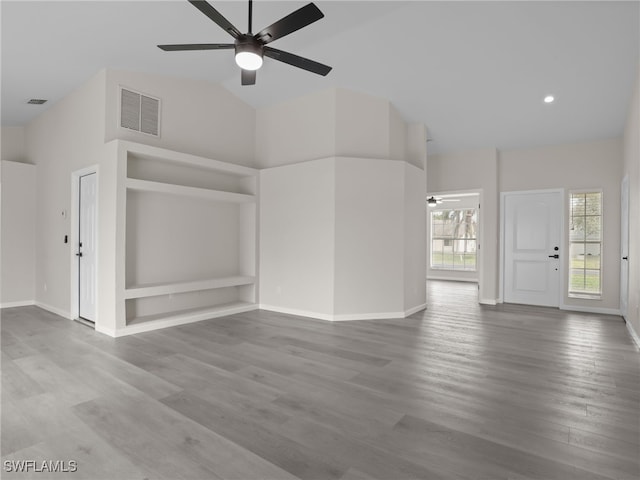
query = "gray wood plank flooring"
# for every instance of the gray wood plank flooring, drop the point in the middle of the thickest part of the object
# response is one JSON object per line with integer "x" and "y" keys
{"x": 459, "y": 391}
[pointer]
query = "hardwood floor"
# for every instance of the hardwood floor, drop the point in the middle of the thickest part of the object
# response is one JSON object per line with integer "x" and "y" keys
{"x": 458, "y": 391}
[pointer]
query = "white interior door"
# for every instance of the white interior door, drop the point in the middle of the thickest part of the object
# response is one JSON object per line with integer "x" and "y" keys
{"x": 624, "y": 246}
{"x": 532, "y": 234}
{"x": 87, "y": 231}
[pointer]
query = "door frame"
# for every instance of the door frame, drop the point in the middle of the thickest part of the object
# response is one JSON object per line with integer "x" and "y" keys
{"x": 563, "y": 242}
{"x": 74, "y": 238}
{"x": 624, "y": 242}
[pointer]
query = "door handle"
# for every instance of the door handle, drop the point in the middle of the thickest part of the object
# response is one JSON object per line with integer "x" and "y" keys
{"x": 625, "y": 258}
{"x": 79, "y": 254}
{"x": 554, "y": 256}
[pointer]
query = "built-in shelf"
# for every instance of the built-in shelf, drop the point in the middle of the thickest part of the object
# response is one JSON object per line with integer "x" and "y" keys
{"x": 197, "y": 192}
{"x": 208, "y": 235}
{"x": 180, "y": 158}
{"x": 151, "y": 290}
{"x": 171, "y": 319}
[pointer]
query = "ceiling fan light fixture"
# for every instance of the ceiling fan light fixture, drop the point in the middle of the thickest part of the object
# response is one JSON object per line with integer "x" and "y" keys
{"x": 432, "y": 202}
{"x": 248, "y": 54}
{"x": 248, "y": 60}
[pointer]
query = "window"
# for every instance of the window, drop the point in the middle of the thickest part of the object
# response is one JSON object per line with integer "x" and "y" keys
{"x": 585, "y": 244}
{"x": 453, "y": 239}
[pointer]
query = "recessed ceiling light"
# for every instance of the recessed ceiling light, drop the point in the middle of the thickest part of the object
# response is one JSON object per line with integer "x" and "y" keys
{"x": 36, "y": 101}
{"x": 549, "y": 99}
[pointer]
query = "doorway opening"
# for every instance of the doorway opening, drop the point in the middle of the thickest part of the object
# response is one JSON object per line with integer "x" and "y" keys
{"x": 84, "y": 245}
{"x": 454, "y": 237}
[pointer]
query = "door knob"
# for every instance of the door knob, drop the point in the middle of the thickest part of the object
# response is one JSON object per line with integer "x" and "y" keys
{"x": 554, "y": 256}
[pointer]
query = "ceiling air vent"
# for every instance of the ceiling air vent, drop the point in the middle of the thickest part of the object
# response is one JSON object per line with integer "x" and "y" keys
{"x": 139, "y": 112}
{"x": 36, "y": 101}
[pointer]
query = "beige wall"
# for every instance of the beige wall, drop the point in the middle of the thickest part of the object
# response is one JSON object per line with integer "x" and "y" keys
{"x": 18, "y": 230}
{"x": 286, "y": 133}
{"x": 197, "y": 117}
{"x": 631, "y": 167}
{"x": 362, "y": 125}
{"x": 369, "y": 266}
{"x": 12, "y": 144}
{"x": 365, "y": 256}
{"x": 297, "y": 237}
{"x": 342, "y": 238}
{"x": 65, "y": 138}
{"x": 595, "y": 165}
{"x": 344, "y": 123}
{"x": 592, "y": 165}
{"x": 474, "y": 170}
{"x": 416, "y": 150}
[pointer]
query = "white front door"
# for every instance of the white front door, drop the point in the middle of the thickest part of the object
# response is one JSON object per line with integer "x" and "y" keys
{"x": 624, "y": 246}
{"x": 532, "y": 234}
{"x": 87, "y": 253}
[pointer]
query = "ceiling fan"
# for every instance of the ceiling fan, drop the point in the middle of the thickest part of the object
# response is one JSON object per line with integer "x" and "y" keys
{"x": 250, "y": 49}
{"x": 433, "y": 201}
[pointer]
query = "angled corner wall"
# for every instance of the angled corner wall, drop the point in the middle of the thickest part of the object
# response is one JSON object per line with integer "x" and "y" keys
{"x": 342, "y": 224}
{"x": 297, "y": 238}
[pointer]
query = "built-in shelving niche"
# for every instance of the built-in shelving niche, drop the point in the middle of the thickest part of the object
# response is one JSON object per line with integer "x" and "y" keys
{"x": 190, "y": 242}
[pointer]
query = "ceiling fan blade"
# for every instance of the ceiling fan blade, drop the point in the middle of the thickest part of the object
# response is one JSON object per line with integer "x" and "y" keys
{"x": 297, "y": 61}
{"x": 196, "y": 46}
{"x": 248, "y": 77}
{"x": 291, "y": 23}
{"x": 216, "y": 16}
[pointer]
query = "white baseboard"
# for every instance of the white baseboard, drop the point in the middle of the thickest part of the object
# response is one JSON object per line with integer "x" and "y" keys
{"x": 173, "y": 320}
{"x": 24, "y": 303}
{"x": 343, "y": 317}
{"x": 452, "y": 279}
{"x": 55, "y": 310}
{"x": 633, "y": 333}
{"x": 416, "y": 309}
{"x": 488, "y": 301}
{"x": 107, "y": 331}
{"x": 601, "y": 310}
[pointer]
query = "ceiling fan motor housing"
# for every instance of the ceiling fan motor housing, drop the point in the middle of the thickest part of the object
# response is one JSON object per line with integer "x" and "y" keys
{"x": 248, "y": 43}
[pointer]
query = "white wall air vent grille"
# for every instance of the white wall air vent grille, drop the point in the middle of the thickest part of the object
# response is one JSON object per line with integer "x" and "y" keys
{"x": 139, "y": 112}
{"x": 149, "y": 108}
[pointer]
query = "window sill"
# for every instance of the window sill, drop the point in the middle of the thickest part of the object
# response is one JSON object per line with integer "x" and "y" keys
{"x": 445, "y": 269}
{"x": 585, "y": 296}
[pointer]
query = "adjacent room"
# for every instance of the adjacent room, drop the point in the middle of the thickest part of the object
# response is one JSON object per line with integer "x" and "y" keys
{"x": 402, "y": 241}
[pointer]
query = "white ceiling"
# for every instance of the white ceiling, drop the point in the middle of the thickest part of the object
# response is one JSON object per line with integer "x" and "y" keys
{"x": 474, "y": 72}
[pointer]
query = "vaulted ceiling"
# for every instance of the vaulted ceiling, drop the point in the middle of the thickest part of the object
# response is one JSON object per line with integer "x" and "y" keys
{"x": 474, "y": 72}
